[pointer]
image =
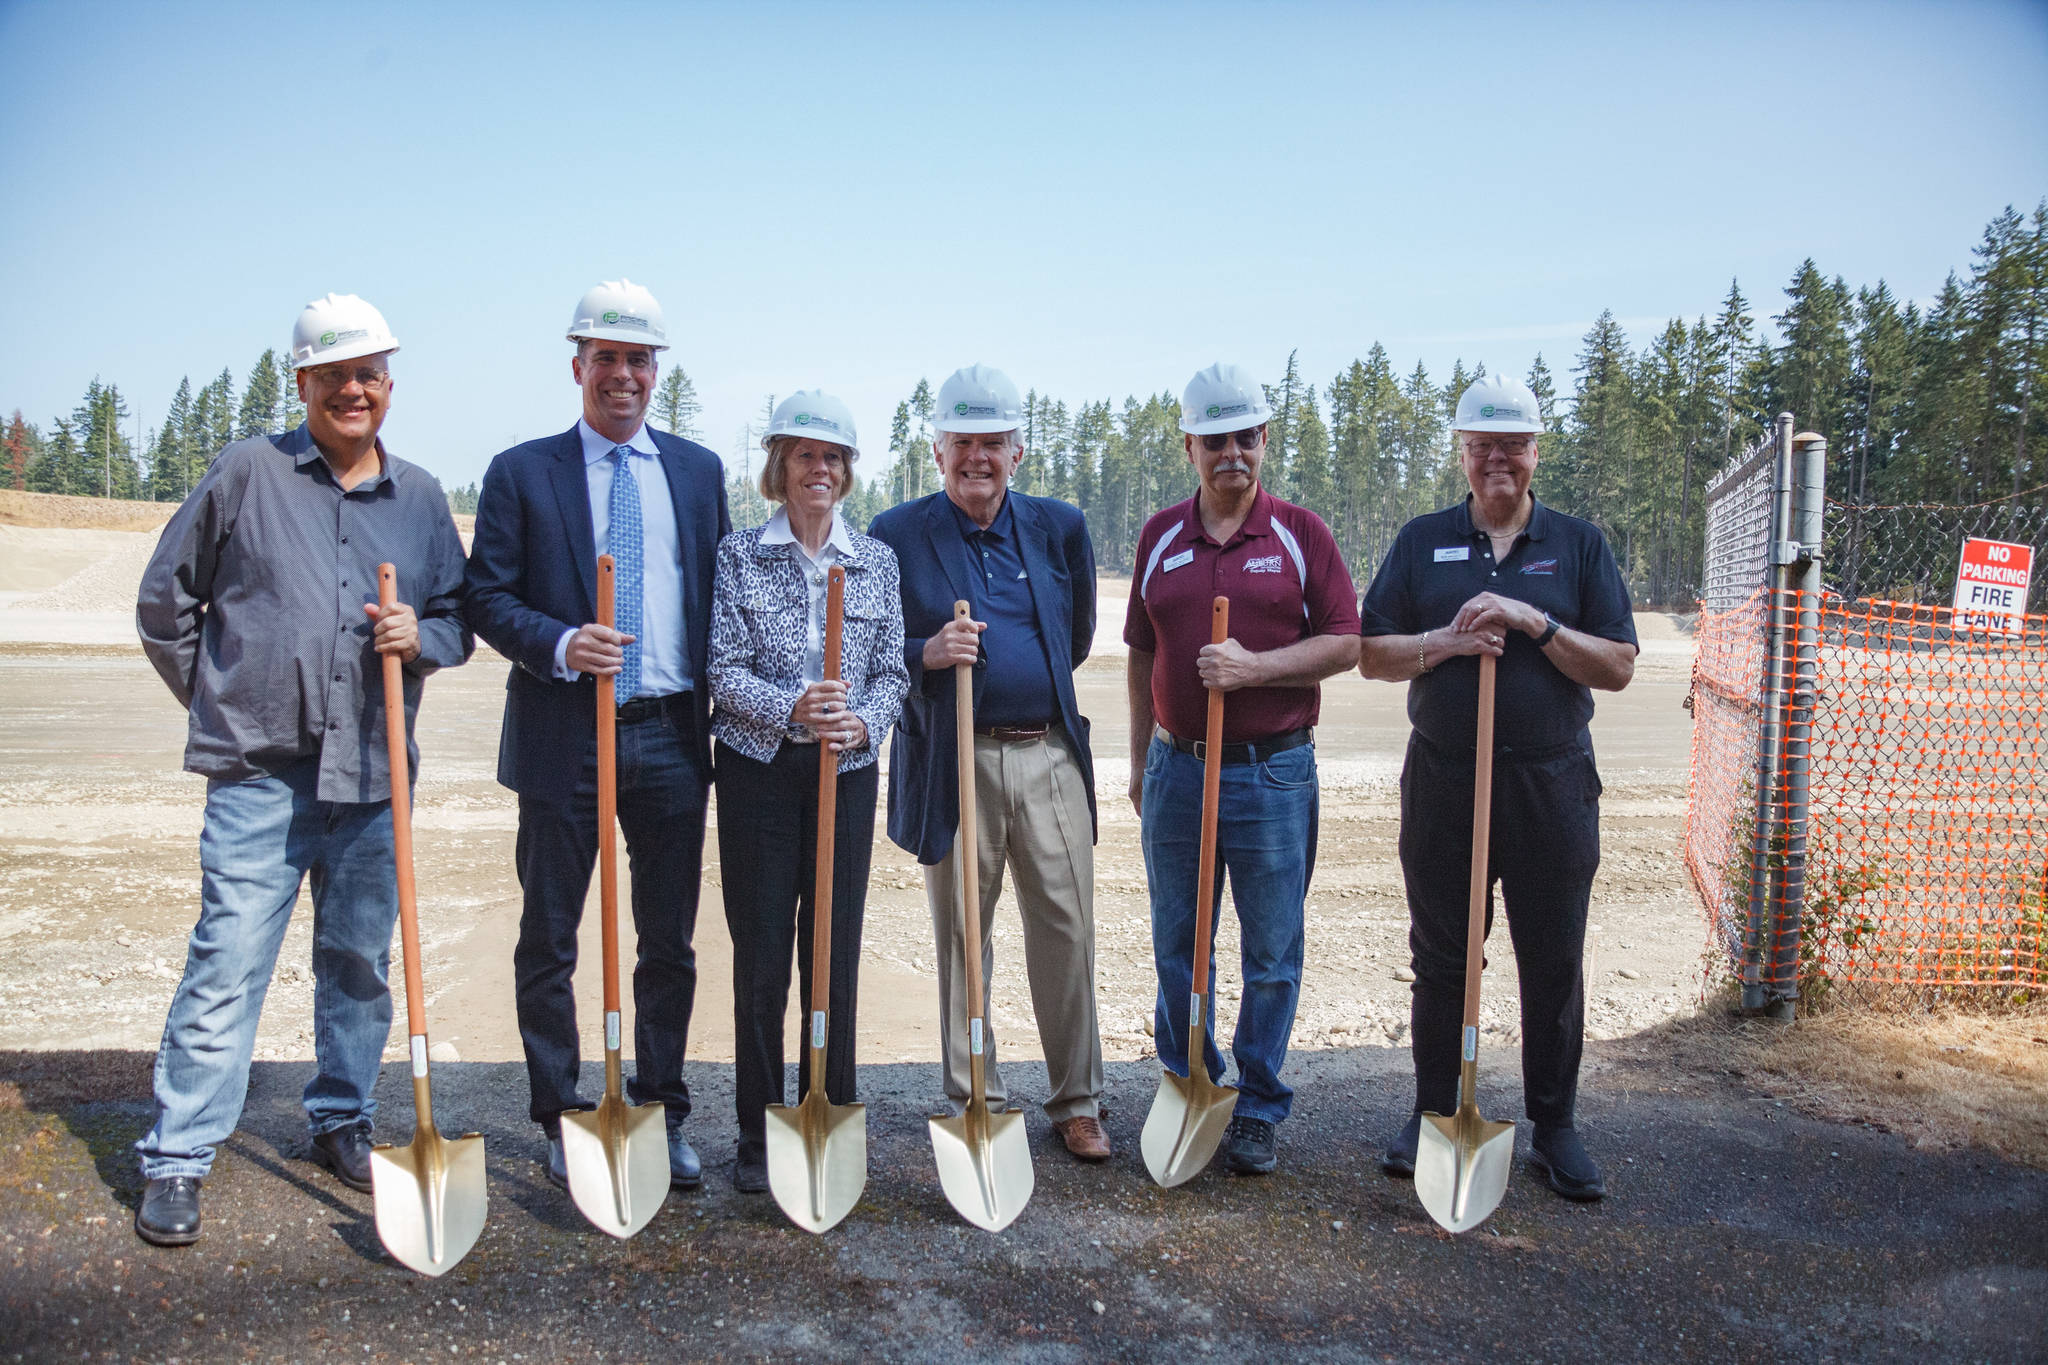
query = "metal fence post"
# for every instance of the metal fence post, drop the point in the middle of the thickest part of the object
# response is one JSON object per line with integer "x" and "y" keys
{"x": 1759, "y": 939}
{"x": 1800, "y": 663}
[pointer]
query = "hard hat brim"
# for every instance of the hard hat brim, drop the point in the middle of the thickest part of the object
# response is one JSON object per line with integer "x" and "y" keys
{"x": 352, "y": 350}
{"x": 626, "y": 335}
{"x": 1241, "y": 422}
{"x": 1501, "y": 424}
{"x": 806, "y": 434}
{"x": 975, "y": 426}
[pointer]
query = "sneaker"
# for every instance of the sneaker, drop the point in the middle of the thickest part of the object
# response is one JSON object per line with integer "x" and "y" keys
{"x": 169, "y": 1213}
{"x": 1248, "y": 1146}
{"x": 1399, "y": 1158}
{"x": 1561, "y": 1159}
{"x": 346, "y": 1152}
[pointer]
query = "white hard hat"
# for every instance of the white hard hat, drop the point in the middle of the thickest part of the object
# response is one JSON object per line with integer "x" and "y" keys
{"x": 338, "y": 327}
{"x": 1222, "y": 398}
{"x": 816, "y": 414}
{"x": 619, "y": 310}
{"x": 978, "y": 399}
{"x": 1496, "y": 402}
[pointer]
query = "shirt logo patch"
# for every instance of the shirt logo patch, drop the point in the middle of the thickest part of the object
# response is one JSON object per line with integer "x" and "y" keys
{"x": 1547, "y": 567}
{"x": 1263, "y": 564}
{"x": 1173, "y": 562}
{"x": 1448, "y": 554}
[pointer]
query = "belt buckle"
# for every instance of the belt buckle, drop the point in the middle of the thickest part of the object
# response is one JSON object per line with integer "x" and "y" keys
{"x": 1201, "y": 751}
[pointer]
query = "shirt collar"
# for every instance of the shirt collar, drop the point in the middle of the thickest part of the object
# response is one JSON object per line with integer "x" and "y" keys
{"x": 309, "y": 453}
{"x": 999, "y": 528}
{"x": 597, "y": 447}
{"x": 1537, "y": 529}
{"x": 1257, "y": 522}
{"x": 778, "y": 532}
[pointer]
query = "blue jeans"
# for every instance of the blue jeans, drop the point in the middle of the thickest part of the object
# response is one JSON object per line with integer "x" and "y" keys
{"x": 262, "y": 838}
{"x": 1266, "y": 841}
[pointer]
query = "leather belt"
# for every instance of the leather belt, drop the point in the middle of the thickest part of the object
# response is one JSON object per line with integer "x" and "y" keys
{"x": 650, "y": 708}
{"x": 1255, "y": 751}
{"x": 1013, "y": 734}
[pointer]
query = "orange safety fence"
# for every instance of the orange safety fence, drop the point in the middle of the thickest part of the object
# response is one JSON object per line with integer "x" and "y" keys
{"x": 1925, "y": 834}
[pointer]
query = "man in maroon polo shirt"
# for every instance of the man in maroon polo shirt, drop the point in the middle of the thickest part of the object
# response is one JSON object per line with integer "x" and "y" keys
{"x": 1293, "y": 623}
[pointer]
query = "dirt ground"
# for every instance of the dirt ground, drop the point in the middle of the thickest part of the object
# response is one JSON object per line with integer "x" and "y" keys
{"x": 1718, "y": 1240}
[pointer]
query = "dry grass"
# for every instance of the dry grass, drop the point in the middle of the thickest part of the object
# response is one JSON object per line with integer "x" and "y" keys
{"x": 59, "y": 510}
{"x": 1942, "y": 1081}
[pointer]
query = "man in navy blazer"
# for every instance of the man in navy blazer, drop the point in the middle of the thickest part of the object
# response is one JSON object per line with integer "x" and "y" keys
{"x": 1027, "y": 569}
{"x": 549, "y": 508}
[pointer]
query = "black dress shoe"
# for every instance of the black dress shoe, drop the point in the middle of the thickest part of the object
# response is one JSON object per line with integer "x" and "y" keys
{"x": 558, "y": 1165}
{"x": 1399, "y": 1158}
{"x": 1561, "y": 1159}
{"x": 169, "y": 1213}
{"x": 750, "y": 1173}
{"x": 346, "y": 1152}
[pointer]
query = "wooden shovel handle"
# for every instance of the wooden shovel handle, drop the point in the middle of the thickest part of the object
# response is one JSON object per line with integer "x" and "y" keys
{"x": 1482, "y": 834}
{"x": 1212, "y": 789}
{"x": 966, "y": 839}
{"x": 401, "y": 813}
{"x": 828, "y": 810}
{"x": 608, "y": 796}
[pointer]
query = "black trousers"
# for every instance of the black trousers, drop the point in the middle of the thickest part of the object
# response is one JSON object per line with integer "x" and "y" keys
{"x": 662, "y": 793}
{"x": 768, "y": 856}
{"x": 1545, "y": 849}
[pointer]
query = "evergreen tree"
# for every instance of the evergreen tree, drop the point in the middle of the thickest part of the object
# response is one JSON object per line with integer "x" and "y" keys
{"x": 675, "y": 405}
{"x": 1742, "y": 364}
{"x": 1313, "y": 481}
{"x": 1881, "y": 354}
{"x": 21, "y": 446}
{"x": 262, "y": 403}
{"x": 1810, "y": 370}
{"x": 60, "y": 467}
{"x": 170, "y": 464}
{"x": 107, "y": 457}
{"x": 1275, "y": 475}
{"x": 1591, "y": 479}
{"x": 293, "y": 409}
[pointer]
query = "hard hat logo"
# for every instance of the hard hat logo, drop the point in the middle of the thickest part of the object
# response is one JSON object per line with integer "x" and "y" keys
{"x": 803, "y": 419}
{"x": 327, "y": 338}
{"x": 974, "y": 409}
{"x": 611, "y": 317}
{"x": 1215, "y": 410}
{"x": 1486, "y": 411}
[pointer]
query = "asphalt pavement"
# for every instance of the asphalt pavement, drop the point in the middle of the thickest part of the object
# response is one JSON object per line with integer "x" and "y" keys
{"x": 1735, "y": 1230}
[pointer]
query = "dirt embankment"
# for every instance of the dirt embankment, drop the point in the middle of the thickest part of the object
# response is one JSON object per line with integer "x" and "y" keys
{"x": 67, "y": 513}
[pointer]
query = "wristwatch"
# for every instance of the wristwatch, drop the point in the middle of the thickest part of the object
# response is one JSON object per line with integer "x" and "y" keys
{"x": 1551, "y": 626}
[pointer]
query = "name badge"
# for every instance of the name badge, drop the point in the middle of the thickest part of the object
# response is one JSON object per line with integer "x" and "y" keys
{"x": 1447, "y": 554}
{"x": 1185, "y": 557}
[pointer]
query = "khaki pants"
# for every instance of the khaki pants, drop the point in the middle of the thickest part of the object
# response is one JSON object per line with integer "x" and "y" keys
{"x": 1033, "y": 814}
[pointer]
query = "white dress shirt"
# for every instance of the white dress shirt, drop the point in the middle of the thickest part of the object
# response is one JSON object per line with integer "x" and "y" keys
{"x": 664, "y": 664}
{"x": 838, "y": 542}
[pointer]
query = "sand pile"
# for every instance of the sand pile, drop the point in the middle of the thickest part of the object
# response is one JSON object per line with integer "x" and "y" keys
{"x": 109, "y": 583}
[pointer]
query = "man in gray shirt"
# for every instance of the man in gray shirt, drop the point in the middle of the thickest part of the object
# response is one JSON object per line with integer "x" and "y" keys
{"x": 259, "y": 609}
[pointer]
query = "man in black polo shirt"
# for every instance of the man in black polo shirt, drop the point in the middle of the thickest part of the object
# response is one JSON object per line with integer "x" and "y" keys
{"x": 1501, "y": 574}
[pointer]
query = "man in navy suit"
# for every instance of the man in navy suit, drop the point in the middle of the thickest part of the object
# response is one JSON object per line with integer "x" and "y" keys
{"x": 656, "y": 504}
{"x": 1027, "y": 569}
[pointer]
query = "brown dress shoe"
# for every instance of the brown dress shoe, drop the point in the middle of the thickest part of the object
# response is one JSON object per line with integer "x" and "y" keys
{"x": 1084, "y": 1137}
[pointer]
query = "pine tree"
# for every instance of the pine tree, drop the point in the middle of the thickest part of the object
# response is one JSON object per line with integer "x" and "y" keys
{"x": 675, "y": 405}
{"x": 1313, "y": 482}
{"x": 1810, "y": 370}
{"x": 1880, "y": 357}
{"x": 1275, "y": 475}
{"x": 1742, "y": 364}
{"x": 21, "y": 446}
{"x": 1590, "y": 480}
{"x": 60, "y": 468}
{"x": 170, "y": 464}
{"x": 293, "y": 409}
{"x": 105, "y": 452}
{"x": 262, "y": 404}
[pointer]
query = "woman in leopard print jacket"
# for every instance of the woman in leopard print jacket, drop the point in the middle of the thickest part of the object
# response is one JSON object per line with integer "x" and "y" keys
{"x": 771, "y": 711}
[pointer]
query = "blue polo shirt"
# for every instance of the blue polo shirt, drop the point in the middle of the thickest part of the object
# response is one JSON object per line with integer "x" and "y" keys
{"x": 1559, "y": 564}
{"x": 1019, "y": 690}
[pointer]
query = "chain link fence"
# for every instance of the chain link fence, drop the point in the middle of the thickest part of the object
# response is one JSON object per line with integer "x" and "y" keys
{"x": 1867, "y": 813}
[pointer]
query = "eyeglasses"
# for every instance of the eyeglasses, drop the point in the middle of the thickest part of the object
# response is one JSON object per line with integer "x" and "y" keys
{"x": 1482, "y": 446}
{"x": 339, "y": 376}
{"x": 1248, "y": 439}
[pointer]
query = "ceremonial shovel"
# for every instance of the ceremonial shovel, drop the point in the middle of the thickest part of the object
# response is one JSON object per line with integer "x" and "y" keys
{"x": 1462, "y": 1162}
{"x": 428, "y": 1195}
{"x": 617, "y": 1154}
{"x": 1189, "y": 1115}
{"x": 818, "y": 1151}
{"x": 984, "y": 1157}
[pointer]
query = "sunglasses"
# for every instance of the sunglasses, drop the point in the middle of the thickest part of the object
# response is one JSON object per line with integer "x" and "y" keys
{"x": 1483, "y": 446}
{"x": 1248, "y": 439}
{"x": 338, "y": 376}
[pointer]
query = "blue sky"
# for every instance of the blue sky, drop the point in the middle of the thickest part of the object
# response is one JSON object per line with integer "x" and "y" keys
{"x": 1098, "y": 199}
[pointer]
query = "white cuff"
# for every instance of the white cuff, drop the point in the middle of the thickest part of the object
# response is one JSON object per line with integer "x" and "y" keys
{"x": 562, "y": 670}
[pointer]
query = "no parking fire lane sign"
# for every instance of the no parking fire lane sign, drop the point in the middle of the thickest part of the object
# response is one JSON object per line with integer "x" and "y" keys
{"x": 1991, "y": 586}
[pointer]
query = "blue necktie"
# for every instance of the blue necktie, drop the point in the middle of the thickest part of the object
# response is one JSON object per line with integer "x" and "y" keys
{"x": 627, "y": 554}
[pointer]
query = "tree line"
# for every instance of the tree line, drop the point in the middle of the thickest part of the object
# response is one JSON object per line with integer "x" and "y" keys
{"x": 1937, "y": 403}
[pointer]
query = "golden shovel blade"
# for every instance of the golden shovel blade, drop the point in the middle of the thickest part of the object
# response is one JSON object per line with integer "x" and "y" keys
{"x": 817, "y": 1159}
{"x": 1188, "y": 1119}
{"x": 1462, "y": 1165}
{"x": 430, "y": 1198}
{"x": 984, "y": 1164}
{"x": 617, "y": 1155}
